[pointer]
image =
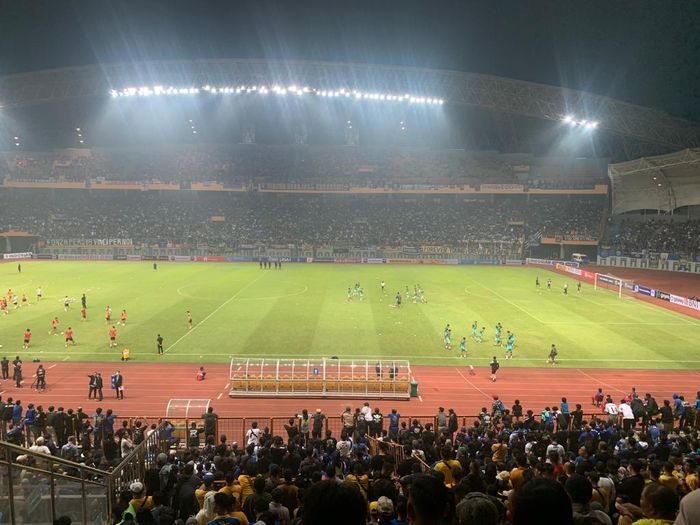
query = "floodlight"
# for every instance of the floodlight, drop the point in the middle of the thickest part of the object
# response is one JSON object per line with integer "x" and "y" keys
{"x": 567, "y": 119}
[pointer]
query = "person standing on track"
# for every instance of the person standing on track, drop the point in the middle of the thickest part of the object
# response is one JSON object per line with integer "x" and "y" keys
{"x": 93, "y": 386}
{"x": 494, "y": 368}
{"x": 40, "y": 378}
{"x": 5, "y": 367}
{"x": 159, "y": 343}
{"x": 118, "y": 384}
{"x": 18, "y": 372}
{"x": 98, "y": 386}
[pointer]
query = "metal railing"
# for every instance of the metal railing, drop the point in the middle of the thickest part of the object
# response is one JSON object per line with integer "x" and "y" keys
{"x": 38, "y": 488}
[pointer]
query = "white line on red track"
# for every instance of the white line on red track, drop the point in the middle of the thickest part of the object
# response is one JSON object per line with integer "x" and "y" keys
{"x": 472, "y": 384}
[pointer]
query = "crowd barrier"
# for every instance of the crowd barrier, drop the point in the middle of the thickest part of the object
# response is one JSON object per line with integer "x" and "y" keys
{"x": 307, "y": 260}
{"x": 36, "y": 488}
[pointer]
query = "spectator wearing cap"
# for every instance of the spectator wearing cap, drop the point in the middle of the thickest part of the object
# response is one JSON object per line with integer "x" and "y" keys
{"x": 139, "y": 499}
{"x": 385, "y": 511}
{"x": 206, "y": 487}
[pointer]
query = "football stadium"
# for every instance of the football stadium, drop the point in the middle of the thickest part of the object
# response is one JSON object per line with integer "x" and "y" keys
{"x": 292, "y": 288}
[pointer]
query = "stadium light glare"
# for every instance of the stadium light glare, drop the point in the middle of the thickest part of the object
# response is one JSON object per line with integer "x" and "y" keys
{"x": 159, "y": 90}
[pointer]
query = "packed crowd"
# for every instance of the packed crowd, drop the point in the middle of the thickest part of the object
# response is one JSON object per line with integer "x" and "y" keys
{"x": 568, "y": 218}
{"x": 312, "y": 220}
{"x": 632, "y": 462}
{"x": 252, "y": 164}
{"x": 656, "y": 236}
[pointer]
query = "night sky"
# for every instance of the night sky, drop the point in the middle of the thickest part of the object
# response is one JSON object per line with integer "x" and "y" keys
{"x": 645, "y": 52}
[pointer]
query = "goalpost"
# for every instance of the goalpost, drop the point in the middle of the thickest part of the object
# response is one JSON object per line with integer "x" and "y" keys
{"x": 620, "y": 286}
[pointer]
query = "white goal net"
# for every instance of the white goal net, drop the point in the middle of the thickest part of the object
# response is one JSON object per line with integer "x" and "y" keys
{"x": 622, "y": 287}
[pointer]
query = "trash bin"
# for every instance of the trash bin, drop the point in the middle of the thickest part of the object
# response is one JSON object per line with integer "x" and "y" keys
{"x": 414, "y": 388}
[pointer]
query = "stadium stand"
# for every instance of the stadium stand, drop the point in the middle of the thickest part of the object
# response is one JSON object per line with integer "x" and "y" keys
{"x": 151, "y": 218}
{"x": 656, "y": 235}
{"x": 511, "y": 461}
{"x": 285, "y": 164}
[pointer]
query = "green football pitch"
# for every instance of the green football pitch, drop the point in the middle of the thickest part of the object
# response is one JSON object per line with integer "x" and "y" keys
{"x": 302, "y": 311}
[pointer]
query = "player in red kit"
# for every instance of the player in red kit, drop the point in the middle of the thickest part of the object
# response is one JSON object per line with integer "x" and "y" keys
{"x": 112, "y": 337}
{"x": 83, "y": 314}
{"x": 27, "y": 337}
{"x": 69, "y": 337}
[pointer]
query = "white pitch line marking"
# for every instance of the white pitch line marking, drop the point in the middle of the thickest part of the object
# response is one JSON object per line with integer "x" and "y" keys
{"x": 472, "y": 384}
{"x": 589, "y": 376}
{"x": 420, "y": 399}
{"x": 509, "y": 302}
{"x": 219, "y": 396}
{"x": 239, "y": 292}
{"x": 49, "y": 368}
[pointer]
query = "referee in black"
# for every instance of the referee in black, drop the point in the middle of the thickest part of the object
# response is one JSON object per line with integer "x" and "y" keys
{"x": 159, "y": 341}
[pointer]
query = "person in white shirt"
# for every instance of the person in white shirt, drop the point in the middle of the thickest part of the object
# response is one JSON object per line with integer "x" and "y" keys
{"x": 556, "y": 447}
{"x": 126, "y": 445}
{"x": 366, "y": 412}
{"x": 39, "y": 446}
{"x": 611, "y": 410}
{"x": 627, "y": 415}
{"x": 252, "y": 437}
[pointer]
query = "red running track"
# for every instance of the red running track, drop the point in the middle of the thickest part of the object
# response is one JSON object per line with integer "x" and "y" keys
{"x": 149, "y": 386}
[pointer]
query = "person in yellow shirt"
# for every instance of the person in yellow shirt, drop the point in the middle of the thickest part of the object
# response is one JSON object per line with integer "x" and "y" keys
{"x": 691, "y": 475}
{"x": 517, "y": 475}
{"x": 206, "y": 486}
{"x": 668, "y": 478}
{"x": 246, "y": 480}
{"x": 659, "y": 506}
{"x": 232, "y": 488}
{"x": 499, "y": 451}
{"x": 138, "y": 497}
{"x": 447, "y": 464}
{"x": 359, "y": 479}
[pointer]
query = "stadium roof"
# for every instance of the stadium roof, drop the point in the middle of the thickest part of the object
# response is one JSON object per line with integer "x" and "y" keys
{"x": 640, "y": 129}
{"x": 664, "y": 182}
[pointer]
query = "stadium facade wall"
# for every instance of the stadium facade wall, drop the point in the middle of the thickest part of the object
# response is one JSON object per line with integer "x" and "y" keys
{"x": 650, "y": 263}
